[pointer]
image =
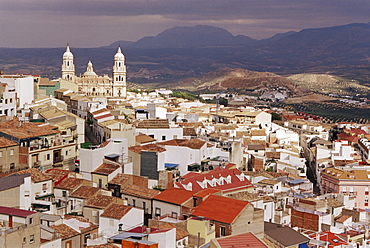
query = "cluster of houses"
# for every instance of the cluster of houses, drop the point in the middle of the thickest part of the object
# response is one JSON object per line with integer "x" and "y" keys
{"x": 151, "y": 170}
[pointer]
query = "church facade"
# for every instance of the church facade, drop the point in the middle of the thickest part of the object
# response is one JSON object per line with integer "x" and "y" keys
{"x": 90, "y": 83}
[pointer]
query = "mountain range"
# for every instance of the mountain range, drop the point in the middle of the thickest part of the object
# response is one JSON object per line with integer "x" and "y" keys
{"x": 182, "y": 52}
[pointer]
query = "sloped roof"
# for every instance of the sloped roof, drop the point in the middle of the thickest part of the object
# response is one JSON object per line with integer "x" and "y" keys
{"x": 153, "y": 124}
{"x": 220, "y": 208}
{"x": 6, "y": 143}
{"x": 116, "y": 211}
{"x": 174, "y": 195}
{"x": 36, "y": 175}
{"x": 149, "y": 148}
{"x": 284, "y": 235}
{"x": 65, "y": 231}
{"x": 15, "y": 212}
{"x": 70, "y": 183}
{"x": 101, "y": 201}
{"x": 143, "y": 138}
{"x": 106, "y": 169}
{"x": 12, "y": 181}
{"x": 244, "y": 240}
{"x": 22, "y": 130}
{"x": 193, "y": 143}
{"x": 235, "y": 182}
{"x": 141, "y": 192}
{"x": 84, "y": 192}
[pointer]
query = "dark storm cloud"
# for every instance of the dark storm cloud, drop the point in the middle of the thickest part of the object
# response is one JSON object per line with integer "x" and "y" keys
{"x": 100, "y": 22}
{"x": 199, "y": 9}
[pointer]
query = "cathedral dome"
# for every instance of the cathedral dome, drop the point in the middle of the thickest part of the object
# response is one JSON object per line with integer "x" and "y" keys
{"x": 89, "y": 71}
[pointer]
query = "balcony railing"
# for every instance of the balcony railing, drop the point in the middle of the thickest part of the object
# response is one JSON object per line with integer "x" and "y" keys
{"x": 58, "y": 159}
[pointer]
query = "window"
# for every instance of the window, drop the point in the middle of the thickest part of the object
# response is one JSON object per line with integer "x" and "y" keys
{"x": 64, "y": 193}
{"x": 100, "y": 183}
{"x": 163, "y": 137}
{"x": 144, "y": 206}
{"x": 32, "y": 238}
{"x": 133, "y": 202}
{"x": 68, "y": 244}
{"x": 174, "y": 215}
{"x": 47, "y": 156}
{"x": 222, "y": 231}
{"x": 67, "y": 153}
{"x": 344, "y": 189}
{"x": 31, "y": 220}
{"x": 24, "y": 240}
{"x": 157, "y": 212}
{"x": 12, "y": 166}
{"x": 11, "y": 152}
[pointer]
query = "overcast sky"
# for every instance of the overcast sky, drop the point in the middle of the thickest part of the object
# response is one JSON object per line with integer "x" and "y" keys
{"x": 94, "y": 23}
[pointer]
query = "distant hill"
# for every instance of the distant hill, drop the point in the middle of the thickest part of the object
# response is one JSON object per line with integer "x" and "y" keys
{"x": 189, "y": 52}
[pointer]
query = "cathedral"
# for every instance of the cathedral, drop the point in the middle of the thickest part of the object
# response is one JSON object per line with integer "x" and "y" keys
{"x": 93, "y": 85}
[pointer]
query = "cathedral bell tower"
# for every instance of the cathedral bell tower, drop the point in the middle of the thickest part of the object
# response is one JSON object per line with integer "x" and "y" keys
{"x": 68, "y": 68}
{"x": 119, "y": 75}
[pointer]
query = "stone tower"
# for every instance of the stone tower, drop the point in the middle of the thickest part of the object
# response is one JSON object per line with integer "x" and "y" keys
{"x": 68, "y": 68}
{"x": 119, "y": 74}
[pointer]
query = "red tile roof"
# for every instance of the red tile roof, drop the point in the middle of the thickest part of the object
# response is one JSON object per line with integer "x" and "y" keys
{"x": 71, "y": 183}
{"x": 330, "y": 237}
{"x": 6, "y": 143}
{"x": 173, "y": 195}
{"x": 245, "y": 240}
{"x": 235, "y": 182}
{"x": 220, "y": 208}
{"x": 193, "y": 143}
{"x": 106, "y": 168}
{"x": 22, "y": 130}
{"x": 116, "y": 211}
{"x": 16, "y": 212}
{"x": 85, "y": 192}
{"x": 65, "y": 231}
{"x": 102, "y": 201}
{"x": 36, "y": 175}
{"x": 103, "y": 116}
{"x": 149, "y": 147}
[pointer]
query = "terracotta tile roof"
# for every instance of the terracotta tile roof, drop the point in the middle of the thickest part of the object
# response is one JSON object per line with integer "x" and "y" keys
{"x": 100, "y": 111}
{"x": 260, "y": 132}
{"x": 180, "y": 234}
{"x": 116, "y": 211}
{"x": 103, "y": 116}
{"x": 143, "y": 138}
{"x": 23, "y": 130}
{"x": 206, "y": 192}
{"x": 153, "y": 124}
{"x": 190, "y": 124}
{"x": 102, "y": 201}
{"x": 138, "y": 191}
{"x": 341, "y": 174}
{"x": 193, "y": 143}
{"x": 106, "y": 169}
{"x": 220, "y": 208}
{"x": 334, "y": 203}
{"x": 200, "y": 181}
{"x": 36, "y": 175}
{"x": 120, "y": 179}
{"x": 189, "y": 131}
{"x": 343, "y": 218}
{"x": 149, "y": 147}
{"x": 328, "y": 236}
{"x": 174, "y": 195}
{"x": 269, "y": 182}
{"x": 71, "y": 183}
{"x": 65, "y": 231}
{"x": 58, "y": 175}
{"x": 242, "y": 240}
{"x": 6, "y": 143}
{"x": 85, "y": 192}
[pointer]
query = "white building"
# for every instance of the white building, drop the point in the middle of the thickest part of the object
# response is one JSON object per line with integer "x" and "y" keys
{"x": 93, "y": 85}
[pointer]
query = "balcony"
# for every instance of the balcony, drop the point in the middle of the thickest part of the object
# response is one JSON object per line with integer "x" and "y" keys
{"x": 36, "y": 164}
{"x": 58, "y": 159}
